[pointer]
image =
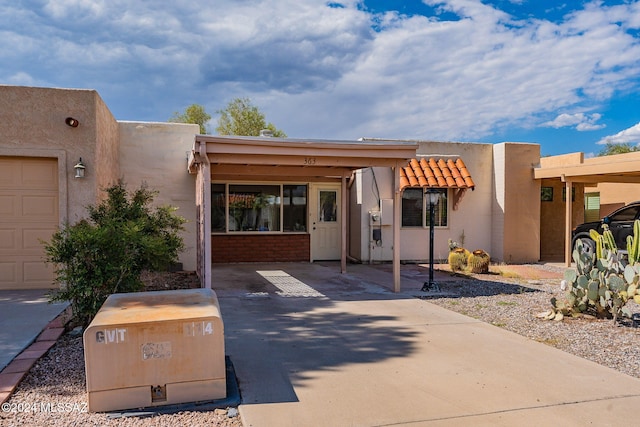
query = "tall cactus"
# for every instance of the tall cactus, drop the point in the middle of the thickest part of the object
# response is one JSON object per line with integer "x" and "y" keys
{"x": 599, "y": 240}
{"x": 633, "y": 244}
{"x": 604, "y": 242}
{"x": 609, "y": 241}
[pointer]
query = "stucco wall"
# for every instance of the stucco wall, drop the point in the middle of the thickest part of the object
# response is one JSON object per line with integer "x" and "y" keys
{"x": 471, "y": 222}
{"x": 516, "y": 208}
{"x": 616, "y": 193}
{"x": 32, "y": 124}
{"x": 552, "y": 215}
{"x": 107, "y": 148}
{"x": 156, "y": 154}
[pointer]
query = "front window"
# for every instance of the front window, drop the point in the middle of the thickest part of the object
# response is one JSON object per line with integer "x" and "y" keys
{"x": 415, "y": 208}
{"x": 412, "y": 207}
{"x": 328, "y": 206}
{"x": 258, "y": 207}
{"x": 218, "y": 208}
{"x": 254, "y": 208}
{"x": 294, "y": 207}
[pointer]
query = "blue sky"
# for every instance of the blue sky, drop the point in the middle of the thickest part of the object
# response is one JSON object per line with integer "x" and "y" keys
{"x": 565, "y": 75}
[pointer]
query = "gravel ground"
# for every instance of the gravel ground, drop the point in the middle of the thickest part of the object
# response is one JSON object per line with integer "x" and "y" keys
{"x": 53, "y": 393}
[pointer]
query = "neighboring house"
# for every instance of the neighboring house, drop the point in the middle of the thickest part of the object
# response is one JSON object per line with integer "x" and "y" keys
{"x": 257, "y": 199}
{"x": 497, "y": 211}
{"x": 39, "y": 147}
{"x": 597, "y": 186}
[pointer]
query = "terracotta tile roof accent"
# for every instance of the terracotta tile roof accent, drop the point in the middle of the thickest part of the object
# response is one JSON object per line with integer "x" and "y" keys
{"x": 439, "y": 173}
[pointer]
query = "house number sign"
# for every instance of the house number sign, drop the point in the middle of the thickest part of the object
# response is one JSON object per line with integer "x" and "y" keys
{"x": 309, "y": 160}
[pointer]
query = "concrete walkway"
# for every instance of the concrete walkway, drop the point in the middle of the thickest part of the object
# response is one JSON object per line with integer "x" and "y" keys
{"x": 29, "y": 327}
{"x": 23, "y": 316}
{"x": 316, "y": 348}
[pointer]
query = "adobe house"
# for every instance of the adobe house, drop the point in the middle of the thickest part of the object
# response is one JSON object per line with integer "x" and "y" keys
{"x": 256, "y": 199}
{"x": 280, "y": 199}
{"x": 597, "y": 186}
{"x": 44, "y": 133}
{"x": 495, "y": 208}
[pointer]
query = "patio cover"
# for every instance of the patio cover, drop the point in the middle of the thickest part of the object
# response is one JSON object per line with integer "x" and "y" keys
{"x": 283, "y": 159}
{"x": 574, "y": 168}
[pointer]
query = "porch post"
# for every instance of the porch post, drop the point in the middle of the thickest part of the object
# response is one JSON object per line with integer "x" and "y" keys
{"x": 568, "y": 220}
{"x": 343, "y": 224}
{"x": 396, "y": 228}
{"x": 206, "y": 214}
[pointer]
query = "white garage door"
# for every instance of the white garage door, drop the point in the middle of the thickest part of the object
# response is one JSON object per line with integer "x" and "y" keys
{"x": 28, "y": 214}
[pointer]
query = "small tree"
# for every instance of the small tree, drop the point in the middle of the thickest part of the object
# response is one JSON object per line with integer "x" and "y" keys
{"x": 611, "y": 148}
{"x": 240, "y": 117}
{"x": 195, "y": 114}
{"x": 107, "y": 252}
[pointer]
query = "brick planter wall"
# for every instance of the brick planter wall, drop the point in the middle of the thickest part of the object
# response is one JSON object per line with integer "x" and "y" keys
{"x": 260, "y": 248}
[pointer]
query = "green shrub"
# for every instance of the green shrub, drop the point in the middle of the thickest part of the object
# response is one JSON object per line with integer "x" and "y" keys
{"x": 107, "y": 252}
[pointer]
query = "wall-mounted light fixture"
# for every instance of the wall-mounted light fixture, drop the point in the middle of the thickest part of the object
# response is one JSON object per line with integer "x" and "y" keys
{"x": 70, "y": 121}
{"x": 79, "y": 167}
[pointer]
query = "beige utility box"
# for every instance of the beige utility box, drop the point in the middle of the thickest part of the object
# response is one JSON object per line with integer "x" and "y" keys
{"x": 155, "y": 348}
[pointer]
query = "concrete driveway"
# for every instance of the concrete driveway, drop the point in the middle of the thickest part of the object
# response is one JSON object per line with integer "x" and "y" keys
{"x": 312, "y": 347}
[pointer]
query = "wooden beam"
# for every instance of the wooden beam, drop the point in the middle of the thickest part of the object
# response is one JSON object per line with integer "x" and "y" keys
{"x": 241, "y": 170}
{"x": 357, "y": 162}
{"x": 240, "y": 145}
{"x": 596, "y": 179}
{"x": 589, "y": 169}
{"x": 271, "y": 178}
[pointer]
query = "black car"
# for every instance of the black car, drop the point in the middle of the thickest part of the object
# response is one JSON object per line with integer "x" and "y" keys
{"x": 620, "y": 223}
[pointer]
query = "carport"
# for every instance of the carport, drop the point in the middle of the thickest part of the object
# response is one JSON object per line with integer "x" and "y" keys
{"x": 239, "y": 160}
{"x": 575, "y": 169}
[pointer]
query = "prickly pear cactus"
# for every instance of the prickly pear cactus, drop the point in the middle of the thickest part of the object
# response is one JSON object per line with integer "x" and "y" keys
{"x": 458, "y": 259}
{"x": 478, "y": 261}
{"x": 601, "y": 289}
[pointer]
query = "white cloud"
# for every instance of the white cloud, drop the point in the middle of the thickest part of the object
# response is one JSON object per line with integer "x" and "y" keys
{"x": 628, "y": 136}
{"x": 318, "y": 71}
{"x": 21, "y": 79}
{"x": 581, "y": 121}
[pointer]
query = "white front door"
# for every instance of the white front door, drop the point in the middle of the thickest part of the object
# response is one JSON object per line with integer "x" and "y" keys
{"x": 324, "y": 216}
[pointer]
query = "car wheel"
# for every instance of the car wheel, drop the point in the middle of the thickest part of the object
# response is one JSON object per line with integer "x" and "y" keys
{"x": 588, "y": 245}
